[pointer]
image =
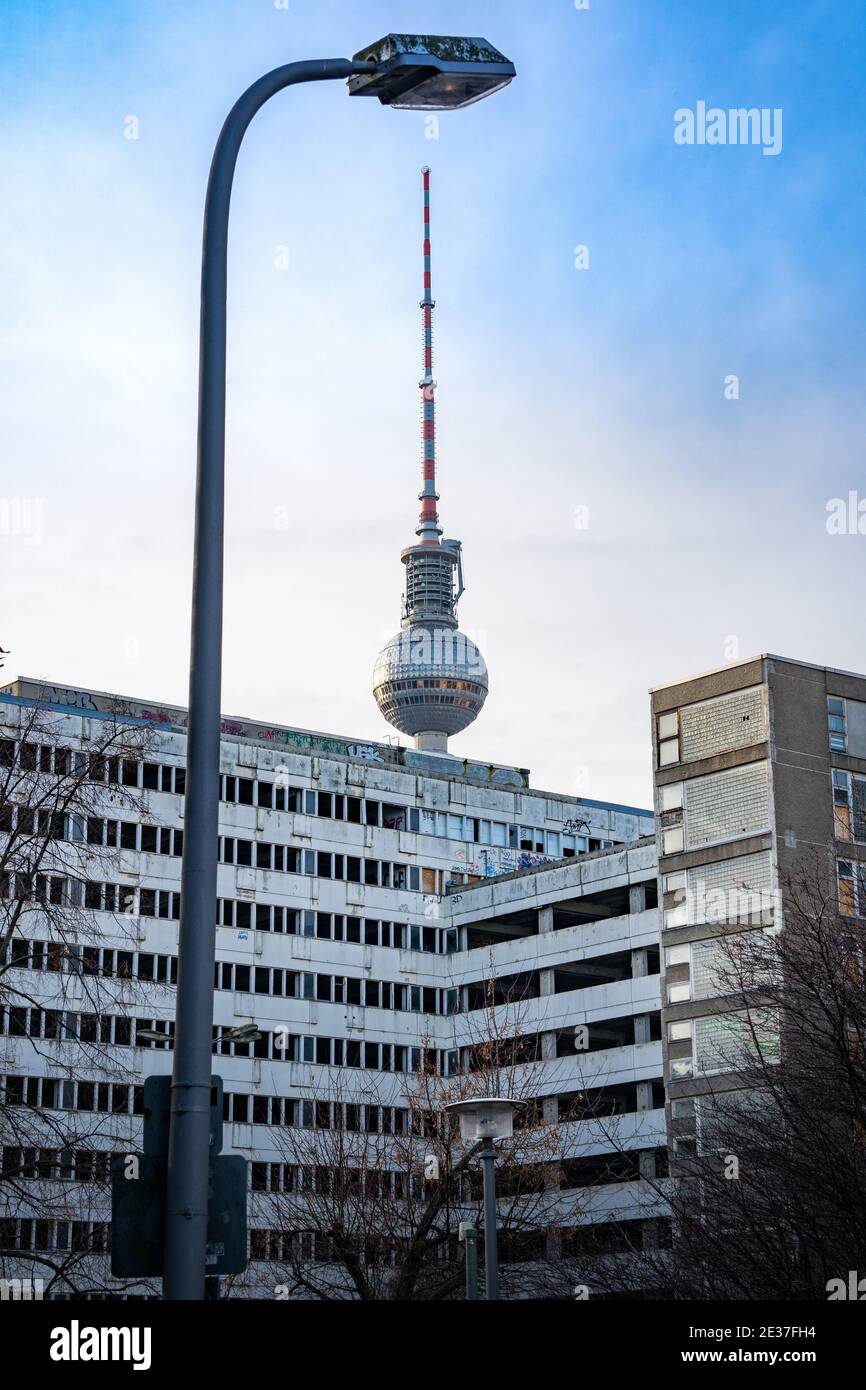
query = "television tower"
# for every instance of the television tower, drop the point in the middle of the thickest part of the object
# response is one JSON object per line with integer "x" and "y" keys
{"x": 430, "y": 680}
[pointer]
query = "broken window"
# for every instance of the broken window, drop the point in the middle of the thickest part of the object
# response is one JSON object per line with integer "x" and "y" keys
{"x": 258, "y": 1171}
{"x": 393, "y": 816}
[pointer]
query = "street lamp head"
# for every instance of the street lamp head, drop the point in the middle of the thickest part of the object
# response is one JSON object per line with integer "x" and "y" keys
{"x": 153, "y": 1035}
{"x": 241, "y": 1033}
{"x": 430, "y": 72}
{"x": 485, "y": 1117}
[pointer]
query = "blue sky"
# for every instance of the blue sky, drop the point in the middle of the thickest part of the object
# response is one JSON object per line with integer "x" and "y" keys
{"x": 560, "y": 388}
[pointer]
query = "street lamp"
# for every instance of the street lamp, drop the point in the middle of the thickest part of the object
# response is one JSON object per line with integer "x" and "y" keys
{"x": 402, "y": 70}
{"x": 153, "y": 1035}
{"x": 483, "y": 1119}
{"x": 241, "y": 1033}
{"x": 430, "y": 73}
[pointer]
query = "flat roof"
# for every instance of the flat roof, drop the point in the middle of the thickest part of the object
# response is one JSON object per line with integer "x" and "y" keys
{"x": 82, "y": 701}
{"x": 747, "y": 661}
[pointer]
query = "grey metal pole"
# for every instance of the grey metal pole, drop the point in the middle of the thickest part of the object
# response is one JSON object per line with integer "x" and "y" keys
{"x": 470, "y": 1238}
{"x": 189, "y": 1134}
{"x": 491, "y": 1255}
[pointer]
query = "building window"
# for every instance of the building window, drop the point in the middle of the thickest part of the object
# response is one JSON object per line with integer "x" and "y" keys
{"x": 676, "y": 916}
{"x": 852, "y": 888}
{"x": 672, "y": 840}
{"x": 680, "y": 1031}
{"x": 677, "y": 955}
{"x": 849, "y": 807}
{"x": 837, "y": 724}
{"x": 668, "y": 739}
{"x": 681, "y": 1069}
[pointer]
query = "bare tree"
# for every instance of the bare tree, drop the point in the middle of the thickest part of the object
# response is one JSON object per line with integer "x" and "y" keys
{"x": 769, "y": 1193}
{"x": 59, "y": 903}
{"x": 374, "y": 1181}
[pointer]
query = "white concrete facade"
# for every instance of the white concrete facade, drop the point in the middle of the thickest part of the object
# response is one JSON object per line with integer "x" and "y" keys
{"x": 402, "y": 883}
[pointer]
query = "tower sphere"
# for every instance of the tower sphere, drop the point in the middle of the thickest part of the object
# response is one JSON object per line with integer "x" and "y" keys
{"x": 430, "y": 679}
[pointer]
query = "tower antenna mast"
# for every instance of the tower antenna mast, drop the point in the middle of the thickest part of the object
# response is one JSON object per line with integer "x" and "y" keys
{"x": 428, "y": 529}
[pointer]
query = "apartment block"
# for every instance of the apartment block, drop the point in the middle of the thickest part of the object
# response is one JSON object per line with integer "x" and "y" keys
{"x": 760, "y": 775}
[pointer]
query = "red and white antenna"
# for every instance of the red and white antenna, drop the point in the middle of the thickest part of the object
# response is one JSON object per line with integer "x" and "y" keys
{"x": 428, "y": 528}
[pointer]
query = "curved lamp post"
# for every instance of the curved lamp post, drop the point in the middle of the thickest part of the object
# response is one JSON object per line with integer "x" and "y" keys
{"x": 403, "y": 70}
{"x": 483, "y": 1119}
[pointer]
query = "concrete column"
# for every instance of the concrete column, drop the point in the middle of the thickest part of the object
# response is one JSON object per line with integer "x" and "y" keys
{"x": 639, "y": 962}
{"x": 550, "y": 1106}
{"x": 642, "y": 1028}
{"x": 644, "y": 1095}
{"x": 650, "y": 1235}
{"x": 648, "y": 1170}
{"x": 546, "y": 988}
{"x": 647, "y": 1162}
{"x": 637, "y": 897}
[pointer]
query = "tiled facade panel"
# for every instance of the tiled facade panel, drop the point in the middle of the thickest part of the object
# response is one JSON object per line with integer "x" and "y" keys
{"x": 716, "y": 726}
{"x": 732, "y": 890}
{"x": 711, "y": 966}
{"x": 727, "y": 804}
{"x": 724, "y": 1042}
{"x": 726, "y": 1107}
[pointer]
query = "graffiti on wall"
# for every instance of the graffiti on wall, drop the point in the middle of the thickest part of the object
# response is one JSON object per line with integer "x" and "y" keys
{"x": 174, "y": 718}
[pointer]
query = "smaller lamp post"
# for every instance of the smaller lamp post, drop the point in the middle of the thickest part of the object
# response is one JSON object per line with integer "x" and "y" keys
{"x": 483, "y": 1119}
